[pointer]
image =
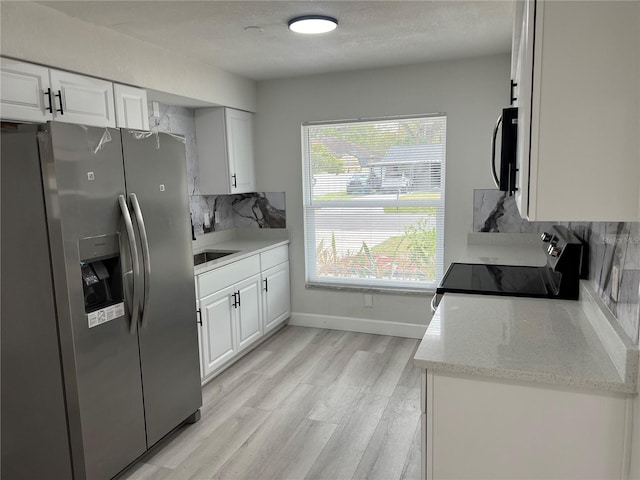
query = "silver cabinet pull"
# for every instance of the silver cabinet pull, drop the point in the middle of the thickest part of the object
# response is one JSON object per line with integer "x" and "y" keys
{"x": 135, "y": 265}
{"x": 146, "y": 259}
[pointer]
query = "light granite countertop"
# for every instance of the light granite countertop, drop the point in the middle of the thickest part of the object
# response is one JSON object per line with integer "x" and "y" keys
{"x": 244, "y": 244}
{"x": 558, "y": 342}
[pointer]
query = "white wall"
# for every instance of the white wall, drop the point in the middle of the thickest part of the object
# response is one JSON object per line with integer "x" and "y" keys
{"x": 635, "y": 438}
{"x": 39, "y": 34}
{"x": 471, "y": 93}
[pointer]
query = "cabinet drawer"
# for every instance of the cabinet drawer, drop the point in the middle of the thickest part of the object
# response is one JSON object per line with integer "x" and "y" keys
{"x": 274, "y": 257}
{"x": 210, "y": 282}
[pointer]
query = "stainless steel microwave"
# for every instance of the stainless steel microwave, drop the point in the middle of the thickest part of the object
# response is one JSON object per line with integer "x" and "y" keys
{"x": 505, "y": 178}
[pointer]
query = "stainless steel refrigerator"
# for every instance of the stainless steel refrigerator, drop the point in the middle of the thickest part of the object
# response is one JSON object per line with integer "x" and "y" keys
{"x": 99, "y": 337}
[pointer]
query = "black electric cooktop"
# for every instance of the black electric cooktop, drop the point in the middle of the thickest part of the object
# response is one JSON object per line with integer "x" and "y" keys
{"x": 511, "y": 280}
{"x": 559, "y": 278}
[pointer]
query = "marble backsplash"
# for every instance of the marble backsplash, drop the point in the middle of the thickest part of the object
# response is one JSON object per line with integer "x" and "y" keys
{"x": 614, "y": 252}
{"x": 253, "y": 210}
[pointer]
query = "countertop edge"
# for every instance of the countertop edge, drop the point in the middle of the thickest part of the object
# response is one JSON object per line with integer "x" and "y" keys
{"x": 541, "y": 379}
{"x": 263, "y": 246}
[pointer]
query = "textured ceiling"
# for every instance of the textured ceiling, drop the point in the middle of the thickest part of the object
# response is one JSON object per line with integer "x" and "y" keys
{"x": 370, "y": 33}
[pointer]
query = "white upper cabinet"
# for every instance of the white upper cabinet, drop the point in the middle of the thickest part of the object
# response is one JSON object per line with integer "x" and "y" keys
{"x": 577, "y": 69}
{"x": 33, "y": 93}
{"x": 240, "y": 150}
{"x": 225, "y": 151}
{"x": 84, "y": 100}
{"x": 24, "y": 92}
{"x": 131, "y": 107}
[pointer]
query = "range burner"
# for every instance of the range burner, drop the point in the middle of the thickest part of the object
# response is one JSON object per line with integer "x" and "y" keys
{"x": 558, "y": 279}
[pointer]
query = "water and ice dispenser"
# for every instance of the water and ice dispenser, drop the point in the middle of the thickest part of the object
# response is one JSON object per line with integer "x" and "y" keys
{"x": 101, "y": 271}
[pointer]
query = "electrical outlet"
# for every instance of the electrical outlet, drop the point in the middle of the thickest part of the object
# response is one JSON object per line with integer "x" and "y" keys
{"x": 156, "y": 109}
{"x": 368, "y": 300}
{"x": 216, "y": 216}
{"x": 615, "y": 283}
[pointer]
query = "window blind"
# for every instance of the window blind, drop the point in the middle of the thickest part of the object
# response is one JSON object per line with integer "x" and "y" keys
{"x": 374, "y": 201}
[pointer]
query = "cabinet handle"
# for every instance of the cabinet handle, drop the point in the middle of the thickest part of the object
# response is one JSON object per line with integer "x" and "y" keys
{"x": 266, "y": 284}
{"x": 238, "y": 297}
{"x": 511, "y": 97}
{"x": 59, "y": 95}
{"x": 50, "y": 107}
{"x": 235, "y": 300}
{"x": 235, "y": 183}
{"x": 199, "y": 319}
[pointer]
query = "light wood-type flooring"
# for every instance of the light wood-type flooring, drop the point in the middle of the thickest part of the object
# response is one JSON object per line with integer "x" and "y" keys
{"x": 306, "y": 404}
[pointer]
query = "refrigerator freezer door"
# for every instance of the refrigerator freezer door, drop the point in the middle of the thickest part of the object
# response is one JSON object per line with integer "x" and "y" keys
{"x": 83, "y": 176}
{"x": 155, "y": 170}
{"x": 34, "y": 428}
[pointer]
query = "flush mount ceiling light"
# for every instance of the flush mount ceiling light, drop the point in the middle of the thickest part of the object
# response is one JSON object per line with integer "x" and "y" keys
{"x": 312, "y": 24}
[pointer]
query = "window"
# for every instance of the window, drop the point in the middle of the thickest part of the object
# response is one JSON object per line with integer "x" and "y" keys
{"x": 374, "y": 202}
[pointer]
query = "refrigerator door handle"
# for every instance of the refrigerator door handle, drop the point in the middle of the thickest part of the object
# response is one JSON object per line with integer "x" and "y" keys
{"x": 146, "y": 259}
{"x": 134, "y": 262}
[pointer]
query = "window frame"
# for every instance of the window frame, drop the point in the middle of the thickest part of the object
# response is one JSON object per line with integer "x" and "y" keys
{"x": 310, "y": 206}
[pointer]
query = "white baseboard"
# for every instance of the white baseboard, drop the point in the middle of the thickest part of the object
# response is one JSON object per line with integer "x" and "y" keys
{"x": 363, "y": 325}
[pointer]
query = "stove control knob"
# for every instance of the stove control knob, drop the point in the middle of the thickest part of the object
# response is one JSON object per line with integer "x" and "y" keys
{"x": 553, "y": 251}
{"x": 546, "y": 236}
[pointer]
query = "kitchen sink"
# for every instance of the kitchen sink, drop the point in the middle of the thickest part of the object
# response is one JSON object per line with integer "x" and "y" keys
{"x": 209, "y": 255}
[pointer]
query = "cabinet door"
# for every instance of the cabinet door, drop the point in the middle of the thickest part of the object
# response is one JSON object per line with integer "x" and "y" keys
{"x": 277, "y": 296}
{"x": 199, "y": 311}
{"x": 515, "y": 48}
{"x": 240, "y": 150}
{"x": 23, "y": 92}
{"x": 214, "y": 177}
{"x": 524, "y": 28}
{"x": 249, "y": 311}
{"x": 84, "y": 100}
{"x": 485, "y": 428}
{"x": 218, "y": 332}
{"x": 131, "y": 107}
{"x": 580, "y": 138}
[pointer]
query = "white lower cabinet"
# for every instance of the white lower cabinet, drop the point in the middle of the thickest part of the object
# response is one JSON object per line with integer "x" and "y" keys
{"x": 230, "y": 322}
{"x": 218, "y": 335}
{"x": 240, "y": 302}
{"x": 277, "y": 295}
{"x": 248, "y": 308}
{"x": 476, "y": 427}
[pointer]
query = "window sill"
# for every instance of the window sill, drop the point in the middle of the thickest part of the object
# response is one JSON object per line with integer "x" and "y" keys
{"x": 383, "y": 290}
